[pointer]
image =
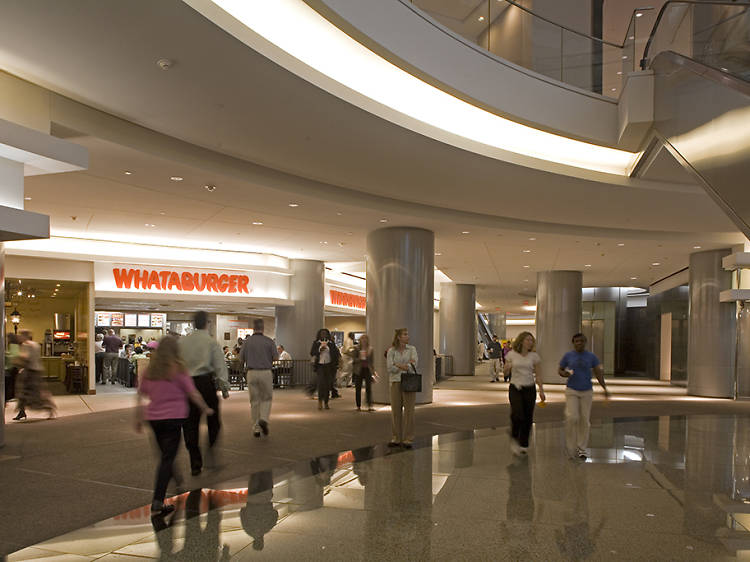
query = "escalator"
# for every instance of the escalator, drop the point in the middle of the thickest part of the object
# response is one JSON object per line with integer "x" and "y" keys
{"x": 484, "y": 333}
{"x": 699, "y": 53}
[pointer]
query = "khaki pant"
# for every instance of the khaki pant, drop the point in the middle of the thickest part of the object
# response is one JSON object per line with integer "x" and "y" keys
{"x": 260, "y": 388}
{"x": 402, "y": 426}
{"x": 496, "y": 368}
{"x": 577, "y": 415}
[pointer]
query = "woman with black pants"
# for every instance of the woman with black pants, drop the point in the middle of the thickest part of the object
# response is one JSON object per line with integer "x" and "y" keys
{"x": 168, "y": 385}
{"x": 326, "y": 358}
{"x": 362, "y": 353}
{"x": 522, "y": 363}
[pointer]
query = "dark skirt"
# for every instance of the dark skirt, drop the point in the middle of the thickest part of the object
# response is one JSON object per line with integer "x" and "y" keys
{"x": 31, "y": 391}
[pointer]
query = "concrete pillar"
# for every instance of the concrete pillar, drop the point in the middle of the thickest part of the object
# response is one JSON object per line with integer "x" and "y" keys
{"x": 297, "y": 325}
{"x": 558, "y": 317}
{"x": 497, "y": 324}
{"x": 743, "y": 352}
{"x": 458, "y": 326}
{"x": 711, "y": 327}
{"x": 400, "y": 294}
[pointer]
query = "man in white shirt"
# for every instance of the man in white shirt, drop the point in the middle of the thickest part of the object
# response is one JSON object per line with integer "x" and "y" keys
{"x": 284, "y": 354}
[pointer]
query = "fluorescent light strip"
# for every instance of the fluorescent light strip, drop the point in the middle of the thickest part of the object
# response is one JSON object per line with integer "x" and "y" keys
{"x": 304, "y": 34}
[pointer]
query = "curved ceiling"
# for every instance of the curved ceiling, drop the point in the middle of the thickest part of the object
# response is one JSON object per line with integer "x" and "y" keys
{"x": 350, "y": 168}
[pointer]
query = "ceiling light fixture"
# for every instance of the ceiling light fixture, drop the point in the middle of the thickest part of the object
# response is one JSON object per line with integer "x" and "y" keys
{"x": 334, "y": 61}
{"x": 638, "y": 14}
{"x": 526, "y": 251}
{"x": 257, "y": 223}
{"x": 532, "y": 239}
{"x": 619, "y": 73}
{"x": 150, "y": 225}
{"x": 656, "y": 263}
{"x": 293, "y": 205}
{"x": 526, "y": 266}
{"x": 210, "y": 187}
{"x": 480, "y": 18}
{"x": 587, "y": 265}
{"x": 696, "y": 247}
{"x": 383, "y": 220}
{"x": 465, "y": 232}
{"x": 633, "y": 278}
{"x": 27, "y": 198}
{"x": 128, "y": 173}
{"x": 621, "y": 244}
{"x": 176, "y": 178}
{"x": 438, "y": 254}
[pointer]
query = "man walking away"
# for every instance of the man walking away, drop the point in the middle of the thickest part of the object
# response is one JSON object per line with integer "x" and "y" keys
{"x": 258, "y": 354}
{"x": 496, "y": 359}
{"x": 577, "y": 366}
{"x": 112, "y": 345}
{"x": 205, "y": 361}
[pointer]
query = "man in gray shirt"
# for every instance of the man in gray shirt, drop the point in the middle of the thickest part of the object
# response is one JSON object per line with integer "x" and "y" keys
{"x": 258, "y": 354}
{"x": 205, "y": 361}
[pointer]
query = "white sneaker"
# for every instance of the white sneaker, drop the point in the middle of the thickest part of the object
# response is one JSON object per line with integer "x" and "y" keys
{"x": 524, "y": 451}
{"x": 515, "y": 448}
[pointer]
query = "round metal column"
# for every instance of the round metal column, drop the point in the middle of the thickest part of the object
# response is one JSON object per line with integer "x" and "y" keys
{"x": 497, "y": 324}
{"x": 297, "y": 325}
{"x": 558, "y": 318}
{"x": 2, "y": 347}
{"x": 712, "y": 337}
{"x": 400, "y": 294}
{"x": 458, "y": 326}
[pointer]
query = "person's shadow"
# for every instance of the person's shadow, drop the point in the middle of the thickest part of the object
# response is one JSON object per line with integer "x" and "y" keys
{"x": 259, "y": 516}
{"x": 200, "y": 544}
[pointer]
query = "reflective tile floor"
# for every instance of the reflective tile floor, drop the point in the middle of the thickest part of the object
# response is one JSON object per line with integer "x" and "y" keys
{"x": 666, "y": 488}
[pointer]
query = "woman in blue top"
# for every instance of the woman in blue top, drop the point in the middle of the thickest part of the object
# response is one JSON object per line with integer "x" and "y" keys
{"x": 399, "y": 359}
{"x": 576, "y": 366}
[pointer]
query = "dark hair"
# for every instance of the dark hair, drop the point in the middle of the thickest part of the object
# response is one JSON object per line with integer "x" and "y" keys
{"x": 201, "y": 320}
{"x": 350, "y": 335}
{"x": 258, "y": 325}
{"x": 319, "y": 335}
{"x": 518, "y": 342}
{"x": 578, "y": 335}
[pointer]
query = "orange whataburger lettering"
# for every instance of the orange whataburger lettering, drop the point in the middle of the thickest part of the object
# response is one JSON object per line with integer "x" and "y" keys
{"x": 339, "y": 298}
{"x": 184, "y": 281}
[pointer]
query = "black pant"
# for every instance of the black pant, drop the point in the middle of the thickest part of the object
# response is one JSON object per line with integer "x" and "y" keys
{"x": 521, "y": 412}
{"x": 325, "y": 374}
{"x": 364, "y": 375}
{"x": 191, "y": 429}
{"x": 167, "y": 434}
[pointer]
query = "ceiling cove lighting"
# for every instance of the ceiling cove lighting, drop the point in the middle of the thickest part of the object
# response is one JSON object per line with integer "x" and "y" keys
{"x": 298, "y": 30}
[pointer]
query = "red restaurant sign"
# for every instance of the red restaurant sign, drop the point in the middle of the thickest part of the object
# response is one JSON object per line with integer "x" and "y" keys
{"x": 152, "y": 279}
{"x": 339, "y": 298}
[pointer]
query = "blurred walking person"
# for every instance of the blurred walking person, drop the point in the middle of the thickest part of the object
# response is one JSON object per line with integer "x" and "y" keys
{"x": 168, "y": 385}
{"x": 400, "y": 358}
{"x": 326, "y": 359}
{"x": 347, "y": 360}
{"x": 204, "y": 360}
{"x": 362, "y": 356}
{"x": 258, "y": 354}
{"x": 496, "y": 359}
{"x": 31, "y": 391}
{"x": 522, "y": 363}
{"x": 112, "y": 345}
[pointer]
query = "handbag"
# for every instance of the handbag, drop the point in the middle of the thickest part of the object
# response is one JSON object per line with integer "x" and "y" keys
{"x": 411, "y": 380}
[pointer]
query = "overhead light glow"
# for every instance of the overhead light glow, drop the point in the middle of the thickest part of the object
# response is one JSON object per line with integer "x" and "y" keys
{"x": 696, "y": 247}
{"x": 621, "y": 244}
{"x": 128, "y": 173}
{"x": 465, "y": 232}
{"x": 656, "y": 263}
{"x": 176, "y": 178}
{"x": 529, "y": 307}
{"x": 257, "y": 223}
{"x": 294, "y": 205}
{"x": 341, "y": 65}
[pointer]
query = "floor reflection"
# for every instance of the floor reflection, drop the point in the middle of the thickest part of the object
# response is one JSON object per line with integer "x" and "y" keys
{"x": 653, "y": 488}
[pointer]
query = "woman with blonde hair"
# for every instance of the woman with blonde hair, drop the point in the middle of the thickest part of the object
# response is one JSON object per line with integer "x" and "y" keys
{"x": 168, "y": 385}
{"x": 522, "y": 363}
{"x": 401, "y": 357}
{"x": 362, "y": 371}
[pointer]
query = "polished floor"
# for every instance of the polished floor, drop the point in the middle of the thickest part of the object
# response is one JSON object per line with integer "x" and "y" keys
{"x": 655, "y": 488}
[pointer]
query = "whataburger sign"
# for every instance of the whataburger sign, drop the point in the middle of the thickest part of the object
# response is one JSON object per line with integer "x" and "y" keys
{"x": 349, "y": 300}
{"x": 185, "y": 281}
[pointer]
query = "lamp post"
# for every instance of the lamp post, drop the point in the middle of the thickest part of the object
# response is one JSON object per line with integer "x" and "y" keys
{"x": 15, "y": 317}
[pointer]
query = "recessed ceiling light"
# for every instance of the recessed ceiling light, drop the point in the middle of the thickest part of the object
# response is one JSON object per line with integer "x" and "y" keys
{"x": 624, "y": 57}
{"x": 27, "y": 198}
{"x": 525, "y": 280}
{"x": 438, "y": 254}
{"x": 633, "y": 278}
{"x": 465, "y": 232}
{"x": 128, "y": 173}
{"x": 481, "y": 18}
{"x": 632, "y": 37}
{"x": 58, "y": 284}
{"x": 323, "y": 242}
{"x": 587, "y": 265}
{"x": 339, "y": 214}
{"x": 526, "y": 251}
{"x": 638, "y": 14}
{"x": 150, "y": 225}
{"x": 162, "y": 213}
{"x": 696, "y": 247}
{"x": 176, "y": 178}
{"x": 526, "y": 266}
{"x": 621, "y": 244}
{"x": 614, "y": 89}
{"x": 724, "y": 69}
{"x": 619, "y": 73}
{"x": 383, "y": 220}
{"x": 210, "y": 187}
{"x": 656, "y": 263}
{"x": 257, "y": 223}
{"x": 532, "y": 239}
{"x": 294, "y": 205}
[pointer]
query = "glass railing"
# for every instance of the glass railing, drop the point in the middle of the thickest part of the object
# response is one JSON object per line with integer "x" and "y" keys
{"x": 716, "y": 34}
{"x": 512, "y": 32}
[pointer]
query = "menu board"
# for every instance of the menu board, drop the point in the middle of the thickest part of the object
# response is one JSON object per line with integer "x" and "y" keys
{"x": 157, "y": 320}
{"x": 118, "y": 319}
{"x": 103, "y": 318}
{"x": 144, "y": 320}
{"x": 131, "y": 320}
{"x": 244, "y": 333}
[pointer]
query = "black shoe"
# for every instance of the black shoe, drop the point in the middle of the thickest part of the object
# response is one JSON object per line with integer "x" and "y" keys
{"x": 493, "y": 380}
{"x": 20, "y": 416}
{"x": 256, "y": 434}
{"x": 263, "y": 426}
{"x": 196, "y": 471}
{"x": 393, "y": 444}
{"x": 162, "y": 511}
{"x": 407, "y": 445}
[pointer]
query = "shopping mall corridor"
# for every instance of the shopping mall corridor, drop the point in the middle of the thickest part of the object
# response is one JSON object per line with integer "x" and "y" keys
{"x": 63, "y": 475}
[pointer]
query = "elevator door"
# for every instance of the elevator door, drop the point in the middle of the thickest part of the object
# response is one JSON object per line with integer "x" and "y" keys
{"x": 594, "y": 332}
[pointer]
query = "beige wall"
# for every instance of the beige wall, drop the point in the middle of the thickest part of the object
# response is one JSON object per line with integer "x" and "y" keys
{"x": 344, "y": 324}
{"x": 512, "y": 331}
{"x": 37, "y": 314}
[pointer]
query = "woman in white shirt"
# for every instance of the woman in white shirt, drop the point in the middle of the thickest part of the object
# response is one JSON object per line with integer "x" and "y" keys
{"x": 522, "y": 362}
{"x": 398, "y": 360}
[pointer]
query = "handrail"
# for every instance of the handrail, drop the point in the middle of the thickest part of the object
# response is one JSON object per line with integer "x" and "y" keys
{"x": 668, "y": 5}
